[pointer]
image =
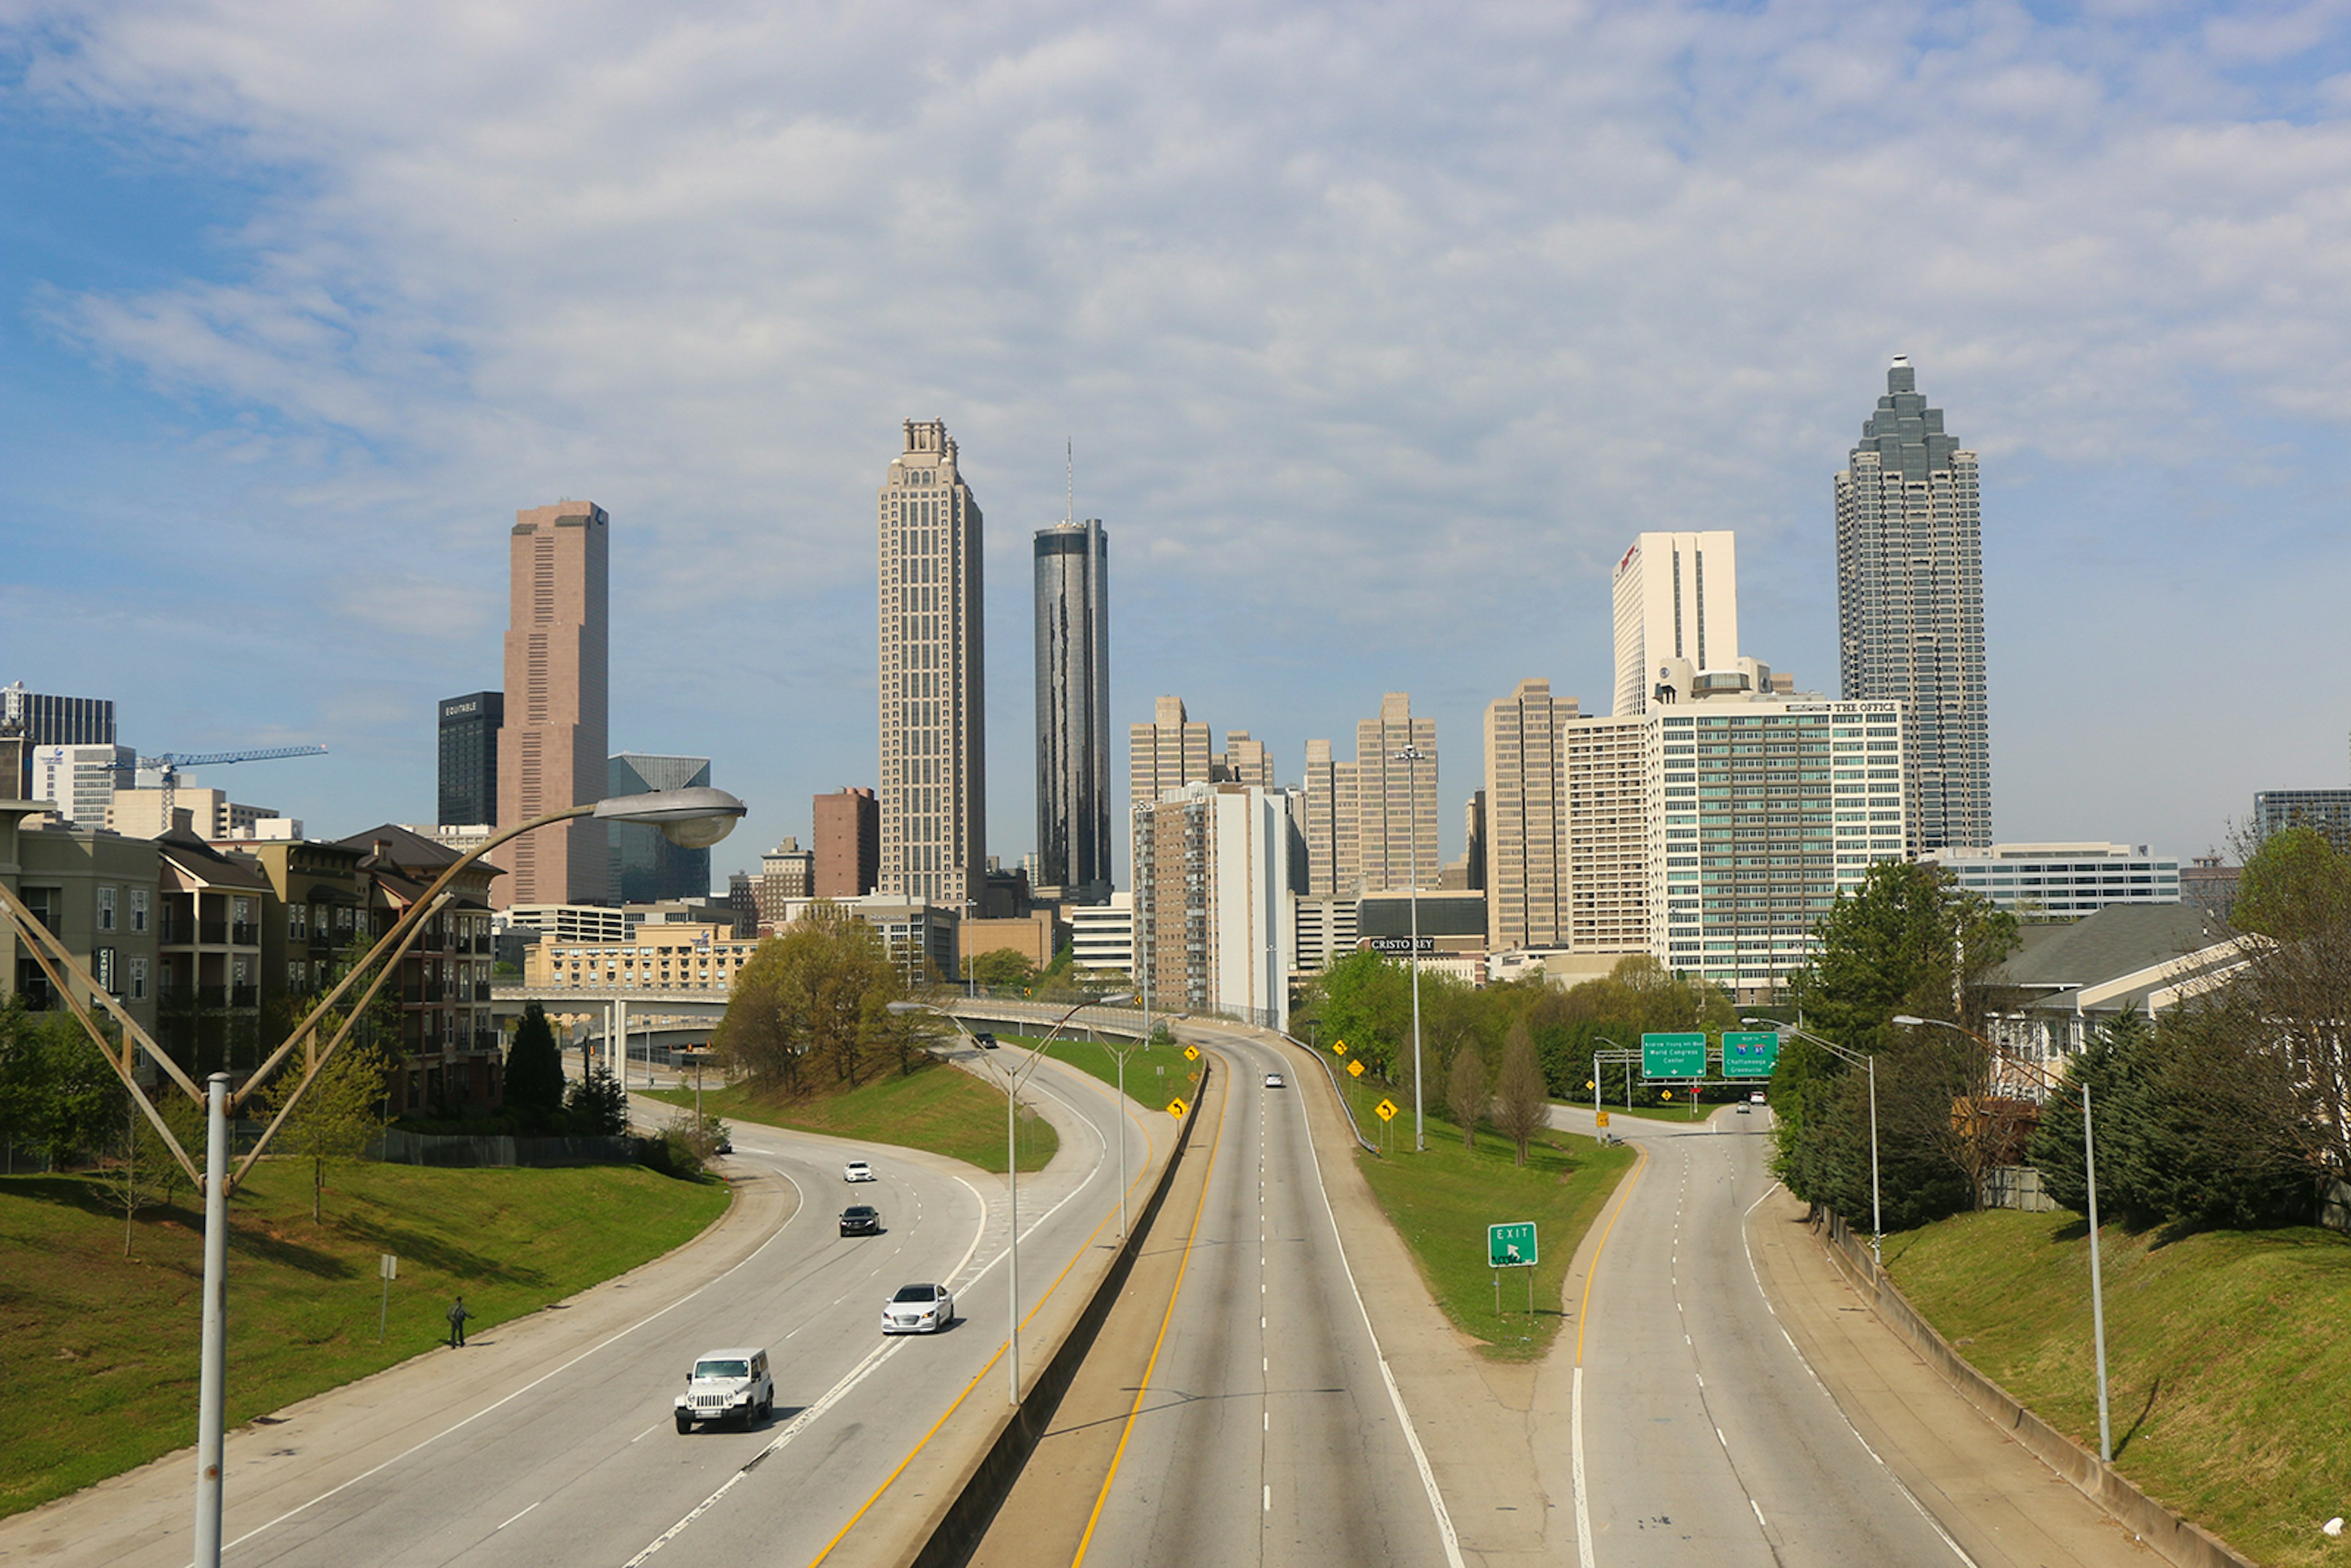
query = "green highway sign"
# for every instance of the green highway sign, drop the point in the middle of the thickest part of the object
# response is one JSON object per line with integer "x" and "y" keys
{"x": 1510, "y": 1246}
{"x": 1673, "y": 1056}
{"x": 1749, "y": 1055}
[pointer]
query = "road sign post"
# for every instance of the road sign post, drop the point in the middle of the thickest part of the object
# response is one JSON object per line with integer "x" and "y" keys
{"x": 1512, "y": 1245}
{"x": 389, "y": 1267}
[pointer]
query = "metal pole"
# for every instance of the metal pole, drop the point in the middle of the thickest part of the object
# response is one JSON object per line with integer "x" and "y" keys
{"x": 1876, "y": 1214}
{"x": 1012, "y": 1275}
{"x": 2097, "y": 1284}
{"x": 1411, "y": 755}
{"x": 211, "y": 1374}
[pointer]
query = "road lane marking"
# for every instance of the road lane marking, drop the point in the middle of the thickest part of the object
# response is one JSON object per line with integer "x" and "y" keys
{"x": 517, "y": 1516}
{"x": 1583, "y": 1317}
{"x": 1182, "y": 1267}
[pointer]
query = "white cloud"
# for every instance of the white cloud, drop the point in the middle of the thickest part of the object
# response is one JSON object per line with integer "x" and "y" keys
{"x": 1411, "y": 314}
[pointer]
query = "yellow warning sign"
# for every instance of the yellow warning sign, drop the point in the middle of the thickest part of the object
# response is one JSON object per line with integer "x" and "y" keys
{"x": 1176, "y": 1108}
{"x": 1386, "y": 1110}
{"x": 1191, "y": 1053}
{"x": 1356, "y": 1068}
{"x": 1339, "y": 1048}
{"x": 1603, "y": 1118}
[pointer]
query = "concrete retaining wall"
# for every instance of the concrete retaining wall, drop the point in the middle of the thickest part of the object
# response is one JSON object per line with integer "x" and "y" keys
{"x": 2179, "y": 1542}
{"x": 2016, "y": 1186}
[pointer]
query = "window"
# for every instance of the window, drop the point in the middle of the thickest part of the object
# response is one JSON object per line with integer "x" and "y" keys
{"x": 298, "y": 922}
{"x": 139, "y": 912}
{"x": 105, "y": 896}
{"x": 139, "y": 976}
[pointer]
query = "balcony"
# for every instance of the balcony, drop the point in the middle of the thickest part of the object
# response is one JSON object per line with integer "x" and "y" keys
{"x": 245, "y": 934}
{"x": 244, "y": 996}
{"x": 211, "y": 933}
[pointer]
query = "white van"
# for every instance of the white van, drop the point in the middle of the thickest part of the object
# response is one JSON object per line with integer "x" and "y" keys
{"x": 727, "y": 1385}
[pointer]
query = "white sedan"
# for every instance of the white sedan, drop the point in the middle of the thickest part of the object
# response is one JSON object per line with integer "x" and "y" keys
{"x": 857, "y": 1170}
{"x": 1273, "y": 1081}
{"x": 918, "y": 1309}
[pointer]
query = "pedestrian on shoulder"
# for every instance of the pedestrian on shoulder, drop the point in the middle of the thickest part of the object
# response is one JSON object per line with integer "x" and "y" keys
{"x": 457, "y": 1316}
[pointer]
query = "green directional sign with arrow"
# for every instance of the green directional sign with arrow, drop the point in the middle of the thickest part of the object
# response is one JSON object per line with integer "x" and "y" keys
{"x": 1673, "y": 1056}
{"x": 1511, "y": 1246}
{"x": 1749, "y": 1055}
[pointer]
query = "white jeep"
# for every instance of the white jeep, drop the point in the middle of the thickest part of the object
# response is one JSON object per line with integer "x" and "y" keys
{"x": 727, "y": 1385}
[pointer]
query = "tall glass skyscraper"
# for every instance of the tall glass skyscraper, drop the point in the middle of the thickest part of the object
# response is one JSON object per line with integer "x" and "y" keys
{"x": 933, "y": 723}
{"x": 1911, "y": 616}
{"x": 1074, "y": 709}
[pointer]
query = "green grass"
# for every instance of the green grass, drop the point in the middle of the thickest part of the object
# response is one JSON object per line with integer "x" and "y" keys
{"x": 99, "y": 1352}
{"x": 1441, "y": 1202}
{"x": 1145, "y": 1081}
{"x": 1654, "y": 1110}
{"x": 2228, "y": 1358}
{"x": 939, "y": 1108}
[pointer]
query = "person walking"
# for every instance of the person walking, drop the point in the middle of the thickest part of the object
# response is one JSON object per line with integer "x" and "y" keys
{"x": 457, "y": 1316}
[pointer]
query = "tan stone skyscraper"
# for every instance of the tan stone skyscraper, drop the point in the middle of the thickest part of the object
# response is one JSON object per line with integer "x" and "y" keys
{"x": 933, "y": 721}
{"x": 552, "y": 750}
{"x": 1371, "y": 825}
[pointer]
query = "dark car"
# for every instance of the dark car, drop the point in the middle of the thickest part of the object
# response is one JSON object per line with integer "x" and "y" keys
{"x": 984, "y": 1039}
{"x": 861, "y": 1220}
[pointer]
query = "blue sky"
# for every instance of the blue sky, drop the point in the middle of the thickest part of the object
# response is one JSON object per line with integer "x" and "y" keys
{"x": 1378, "y": 329}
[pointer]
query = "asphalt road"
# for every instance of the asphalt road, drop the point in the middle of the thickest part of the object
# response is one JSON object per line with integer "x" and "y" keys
{"x": 1703, "y": 1436}
{"x": 1268, "y": 1433}
{"x": 585, "y": 1466}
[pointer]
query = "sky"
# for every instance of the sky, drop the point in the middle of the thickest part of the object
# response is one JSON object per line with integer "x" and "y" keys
{"x": 1376, "y": 330}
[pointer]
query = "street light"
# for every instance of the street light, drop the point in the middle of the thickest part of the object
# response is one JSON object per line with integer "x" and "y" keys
{"x": 693, "y": 818}
{"x": 1411, "y": 757}
{"x": 1119, "y": 1053}
{"x": 1846, "y": 1054}
{"x": 2097, "y": 1275}
{"x": 1010, "y": 1079}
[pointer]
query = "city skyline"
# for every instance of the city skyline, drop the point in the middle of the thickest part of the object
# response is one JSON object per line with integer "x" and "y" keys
{"x": 1372, "y": 414}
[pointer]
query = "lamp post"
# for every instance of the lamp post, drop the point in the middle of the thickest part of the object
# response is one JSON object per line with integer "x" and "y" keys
{"x": 1411, "y": 758}
{"x": 1119, "y": 1053}
{"x": 693, "y": 819}
{"x": 1595, "y": 1075}
{"x": 2090, "y": 1171}
{"x": 1010, "y": 1079}
{"x": 1859, "y": 1059}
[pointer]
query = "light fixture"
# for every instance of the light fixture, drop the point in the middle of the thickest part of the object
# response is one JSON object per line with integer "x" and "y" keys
{"x": 691, "y": 819}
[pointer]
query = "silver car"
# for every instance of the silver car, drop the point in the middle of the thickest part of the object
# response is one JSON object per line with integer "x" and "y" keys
{"x": 918, "y": 1309}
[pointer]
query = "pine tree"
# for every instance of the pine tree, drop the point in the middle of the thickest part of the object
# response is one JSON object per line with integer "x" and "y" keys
{"x": 534, "y": 1081}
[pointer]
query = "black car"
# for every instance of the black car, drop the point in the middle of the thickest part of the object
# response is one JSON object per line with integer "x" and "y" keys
{"x": 984, "y": 1039}
{"x": 861, "y": 1220}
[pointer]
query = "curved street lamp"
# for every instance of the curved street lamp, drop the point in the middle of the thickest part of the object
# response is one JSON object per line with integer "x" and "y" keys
{"x": 1010, "y": 1079}
{"x": 693, "y": 819}
{"x": 1412, "y": 757}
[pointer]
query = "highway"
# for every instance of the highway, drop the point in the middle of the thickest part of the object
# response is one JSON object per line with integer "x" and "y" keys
{"x": 1700, "y": 1433}
{"x": 584, "y": 1465}
{"x": 1268, "y": 1434}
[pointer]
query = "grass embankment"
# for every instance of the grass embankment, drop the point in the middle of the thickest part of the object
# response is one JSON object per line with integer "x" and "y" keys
{"x": 99, "y": 1352}
{"x": 2228, "y": 1352}
{"x": 1154, "y": 1075}
{"x": 1442, "y": 1201}
{"x": 937, "y": 1107}
{"x": 1678, "y": 1110}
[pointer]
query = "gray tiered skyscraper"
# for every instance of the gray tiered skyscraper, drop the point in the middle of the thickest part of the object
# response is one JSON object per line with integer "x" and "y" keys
{"x": 933, "y": 722}
{"x": 1911, "y": 616}
{"x": 1074, "y": 709}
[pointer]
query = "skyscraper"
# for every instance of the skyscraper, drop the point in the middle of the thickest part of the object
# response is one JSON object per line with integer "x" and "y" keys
{"x": 848, "y": 845}
{"x": 1526, "y": 780}
{"x": 1074, "y": 709}
{"x": 552, "y": 749}
{"x": 1910, "y": 618}
{"x": 933, "y": 724}
{"x": 647, "y": 867}
{"x": 46, "y": 720}
{"x": 1168, "y": 753}
{"x": 469, "y": 759}
{"x": 1676, "y": 598}
{"x": 1395, "y": 800}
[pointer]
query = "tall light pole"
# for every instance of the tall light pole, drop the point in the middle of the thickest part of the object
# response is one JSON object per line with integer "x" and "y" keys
{"x": 1119, "y": 1053}
{"x": 693, "y": 819}
{"x": 2089, "y": 1170}
{"x": 1411, "y": 758}
{"x": 1010, "y": 1081}
{"x": 1858, "y": 1059}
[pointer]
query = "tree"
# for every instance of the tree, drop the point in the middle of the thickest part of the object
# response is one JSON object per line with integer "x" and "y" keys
{"x": 57, "y": 1096}
{"x": 810, "y": 1005}
{"x": 1522, "y": 1103}
{"x": 338, "y": 1116}
{"x": 2295, "y": 884}
{"x": 598, "y": 1107}
{"x": 1367, "y": 1000}
{"x": 1001, "y": 966}
{"x": 139, "y": 1168}
{"x": 534, "y": 1082}
{"x": 1464, "y": 1092}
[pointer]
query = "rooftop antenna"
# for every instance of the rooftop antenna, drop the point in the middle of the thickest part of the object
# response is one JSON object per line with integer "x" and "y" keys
{"x": 1070, "y": 458}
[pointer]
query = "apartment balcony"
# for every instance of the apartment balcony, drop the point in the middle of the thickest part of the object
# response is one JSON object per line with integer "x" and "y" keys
{"x": 244, "y": 996}
{"x": 245, "y": 934}
{"x": 211, "y": 933}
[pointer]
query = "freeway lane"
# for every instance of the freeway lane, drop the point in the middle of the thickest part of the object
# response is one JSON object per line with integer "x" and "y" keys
{"x": 1704, "y": 1436}
{"x": 1269, "y": 1434}
{"x": 577, "y": 1461}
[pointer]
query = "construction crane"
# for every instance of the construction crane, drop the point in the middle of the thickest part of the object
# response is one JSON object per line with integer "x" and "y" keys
{"x": 167, "y": 767}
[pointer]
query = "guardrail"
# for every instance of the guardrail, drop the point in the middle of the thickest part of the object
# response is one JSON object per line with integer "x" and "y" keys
{"x": 1338, "y": 1089}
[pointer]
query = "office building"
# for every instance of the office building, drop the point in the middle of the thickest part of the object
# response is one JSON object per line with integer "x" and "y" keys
{"x": 1910, "y": 614}
{"x": 1395, "y": 803}
{"x": 1072, "y": 571}
{"x": 1325, "y": 931}
{"x": 571, "y": 922}
{"x": 553, "y": 748}
{"x": 933, "y": 788}
{"x": 2210, "y": 885}
{"x": 1101, "y": 936}
{"x": 1467, "y": 875}
{"x": 920, "y": 939}
{"x": 788, "y": 875}
{"x": 1566, "y": 827}
{"x": 1242, "y": 762}
{"x": 848, "y": 842}
{"x": 1333, "y": 863}
{"x": 46, "y": 720}
{"x": 684, "y": 955}
{"x": 1168, "y": 753}
{"x": 1214, "y": 913}
{"x": 79, "y": 782}
{"x": 1676, "y": 597}
{"x": 2326, "y": 811}
{"x": 209, "y": 814}
{"x": 469, "y": 757}
{"x": 2063, "y": 880}
{"x": 645, "y": 866}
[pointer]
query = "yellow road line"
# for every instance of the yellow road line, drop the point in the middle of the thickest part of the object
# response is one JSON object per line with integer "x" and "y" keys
{"x": 1184, "y": 1266}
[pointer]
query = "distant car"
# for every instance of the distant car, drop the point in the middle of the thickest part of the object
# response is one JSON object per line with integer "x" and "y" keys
{"x": 1273, "y": 1081}
{"x": 985, "y": 1040}
{"x": 857, "y": 1170}
{"x": 861, "y": 1220}
{"x": 1755, "y": 1097}
{"x": 727, "y": 1385}
{"x": 918, "y": 1309}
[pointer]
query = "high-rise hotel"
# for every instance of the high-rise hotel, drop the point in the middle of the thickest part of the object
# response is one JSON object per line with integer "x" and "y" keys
{"x": 1910, "y": 615}
{"x": 1072, "y": 565}
{"x": 933, "y": 724}
{"x": 551, "y": 748}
